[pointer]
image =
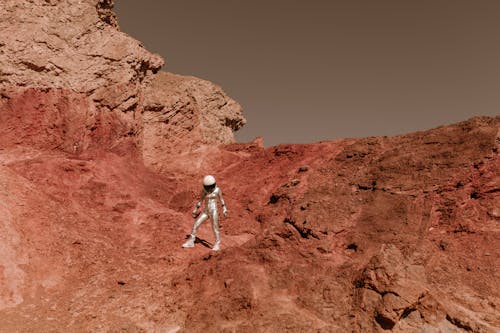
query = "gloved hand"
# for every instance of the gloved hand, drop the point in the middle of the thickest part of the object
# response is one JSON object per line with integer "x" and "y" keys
{"x": 195, "y": 213}
{"x": 224, "y": 211}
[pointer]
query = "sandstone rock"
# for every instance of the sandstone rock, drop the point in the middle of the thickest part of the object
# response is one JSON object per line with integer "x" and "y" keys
{"x": 181, "y": 114}
{"x": 77, "y": 47}
{"x": 73, "y": 45}
{"x": 58, "y": 119}
{"x": 394, "y": 292}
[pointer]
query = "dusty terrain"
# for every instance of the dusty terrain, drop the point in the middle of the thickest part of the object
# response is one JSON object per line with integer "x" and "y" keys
{"x": 382, "y": 234}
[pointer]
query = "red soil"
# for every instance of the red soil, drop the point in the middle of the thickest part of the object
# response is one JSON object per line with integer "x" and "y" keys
{"x": 356, "y": 235}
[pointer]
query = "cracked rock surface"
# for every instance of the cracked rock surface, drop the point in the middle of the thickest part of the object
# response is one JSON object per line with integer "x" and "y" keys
{"x": 76, "y": 48}
{"x": 186, "y": 113}
{"x": 74, "y": 45}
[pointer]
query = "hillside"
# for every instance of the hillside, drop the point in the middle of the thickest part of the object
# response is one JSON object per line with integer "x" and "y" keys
{"x": 101, "y": 160}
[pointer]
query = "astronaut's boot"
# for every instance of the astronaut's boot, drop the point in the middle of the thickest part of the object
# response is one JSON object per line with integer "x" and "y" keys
{"x": 189, "y": 242}
{"x": 215, "y": 226}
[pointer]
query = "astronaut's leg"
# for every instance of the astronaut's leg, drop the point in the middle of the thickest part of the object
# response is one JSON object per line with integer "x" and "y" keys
{"x": 190, "y": 242}
{"x": 215, "y": 227}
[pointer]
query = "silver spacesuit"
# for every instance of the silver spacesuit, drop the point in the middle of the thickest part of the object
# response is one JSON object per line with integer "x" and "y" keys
{"x": 210, "y": 194}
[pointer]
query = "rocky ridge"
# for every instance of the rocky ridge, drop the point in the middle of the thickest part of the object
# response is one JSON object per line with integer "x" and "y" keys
{"x": 76, "y": 49}
{"x": 383, "y": 234}
{"x": 73, "y": 45}
{"x": 182, "y": 114}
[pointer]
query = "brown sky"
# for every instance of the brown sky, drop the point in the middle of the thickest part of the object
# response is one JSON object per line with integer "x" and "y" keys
{"x": 323, "y": 69}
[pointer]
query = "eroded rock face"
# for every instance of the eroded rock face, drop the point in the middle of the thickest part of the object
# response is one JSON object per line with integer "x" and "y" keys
{"x": 392, "y": 287}
{"x": 72, "y": 45}
{"x": 183, "y": 114}
{"x": 76, "y": 47}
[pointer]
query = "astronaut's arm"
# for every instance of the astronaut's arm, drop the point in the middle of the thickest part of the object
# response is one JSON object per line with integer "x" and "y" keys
{"x": 198, "y": 204}
{"x": 224, "y": 208}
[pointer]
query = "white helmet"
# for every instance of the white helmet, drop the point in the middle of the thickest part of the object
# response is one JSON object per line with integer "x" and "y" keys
{"x": 208, "y": 180}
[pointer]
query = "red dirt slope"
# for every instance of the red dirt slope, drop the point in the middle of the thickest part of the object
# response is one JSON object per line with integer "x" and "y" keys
{"x": 393, "y": 234}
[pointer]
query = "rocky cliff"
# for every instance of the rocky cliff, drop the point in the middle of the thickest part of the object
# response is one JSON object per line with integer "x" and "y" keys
{"x": 100, "y": 163}
{"x": 55, "y": 51}
{"x": 182, "y": 115}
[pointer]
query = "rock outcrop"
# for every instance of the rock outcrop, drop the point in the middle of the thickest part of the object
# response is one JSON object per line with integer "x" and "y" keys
{"x": 76, "y": 49}
{"x": 184, "y": 114}
{"x": 73, "y": 45}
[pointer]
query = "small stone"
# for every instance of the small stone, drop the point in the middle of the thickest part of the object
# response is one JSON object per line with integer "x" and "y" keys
{"x": 322, "y": 250}
{"x": 228, "y": 283}
{"x": 495, "y": 212}
{"x": 303, "y": 168}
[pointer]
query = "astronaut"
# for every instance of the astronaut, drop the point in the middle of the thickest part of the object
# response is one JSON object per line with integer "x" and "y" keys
{"x": 210, "y": 194}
